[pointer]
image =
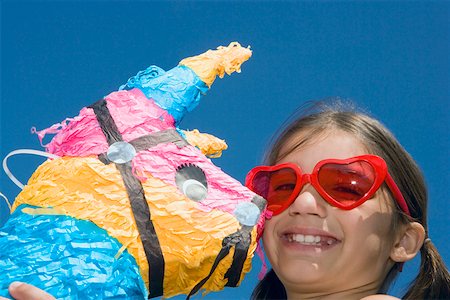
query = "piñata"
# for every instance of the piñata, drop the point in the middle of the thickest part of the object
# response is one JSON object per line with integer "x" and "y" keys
{"x": 129, "y": 205}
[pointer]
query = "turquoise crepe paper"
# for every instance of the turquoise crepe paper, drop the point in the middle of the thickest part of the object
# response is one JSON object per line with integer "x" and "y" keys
{"x": 67, "y": 257}
{"x": 178, "y": 90}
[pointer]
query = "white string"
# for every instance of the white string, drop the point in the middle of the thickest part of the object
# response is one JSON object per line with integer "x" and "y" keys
{"x": 7, "y": 201}
{"x": 23, "y": 151}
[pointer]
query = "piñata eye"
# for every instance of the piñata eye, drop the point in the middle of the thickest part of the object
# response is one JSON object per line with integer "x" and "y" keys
{"x": 191, "y": 181}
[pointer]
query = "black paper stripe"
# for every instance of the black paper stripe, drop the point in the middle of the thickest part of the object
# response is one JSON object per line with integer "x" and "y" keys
{"x": 146, "y": 229}
{"x": 241, "y": 240}
{"x": 138, "y": 203}
{"x": 151, "y": 140}
{"x": 223, "y": 252}
{"x": 106, "y": 122}
{"x": 240, "y": 255}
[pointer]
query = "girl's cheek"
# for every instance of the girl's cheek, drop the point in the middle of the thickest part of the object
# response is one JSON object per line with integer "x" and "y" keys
{"x": 267, "y": 229}
{"x": 267, "y": 237}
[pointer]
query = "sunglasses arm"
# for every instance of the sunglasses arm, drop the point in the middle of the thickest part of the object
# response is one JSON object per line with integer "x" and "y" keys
{"x": 397, "y": 194}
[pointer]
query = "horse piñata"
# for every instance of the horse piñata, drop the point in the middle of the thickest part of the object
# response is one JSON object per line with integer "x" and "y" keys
{"x": 129, "y": 206}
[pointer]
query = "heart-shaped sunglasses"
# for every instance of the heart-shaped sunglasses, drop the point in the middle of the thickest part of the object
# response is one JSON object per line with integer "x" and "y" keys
{"x": 343, "y": 183}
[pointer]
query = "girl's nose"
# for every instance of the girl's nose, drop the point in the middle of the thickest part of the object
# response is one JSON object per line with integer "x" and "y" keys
{"x": 308, "y": 202}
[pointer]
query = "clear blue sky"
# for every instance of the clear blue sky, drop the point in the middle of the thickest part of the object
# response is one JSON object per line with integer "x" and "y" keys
{"x": 390, "y": 57}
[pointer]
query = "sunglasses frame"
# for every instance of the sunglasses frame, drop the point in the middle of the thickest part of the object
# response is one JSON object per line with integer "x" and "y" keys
{"x": 378, "y": 164}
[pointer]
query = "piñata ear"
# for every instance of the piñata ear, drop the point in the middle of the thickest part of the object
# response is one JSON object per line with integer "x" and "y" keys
{"x": 210, "y": 145}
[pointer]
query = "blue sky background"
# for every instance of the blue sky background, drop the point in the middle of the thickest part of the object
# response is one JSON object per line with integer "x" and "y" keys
{"x": 390, "y": 57}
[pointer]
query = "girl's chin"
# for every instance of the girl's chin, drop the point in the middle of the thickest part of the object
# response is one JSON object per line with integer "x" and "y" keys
{"x": 303, "y": 268}
{"x": 301, "y": 275}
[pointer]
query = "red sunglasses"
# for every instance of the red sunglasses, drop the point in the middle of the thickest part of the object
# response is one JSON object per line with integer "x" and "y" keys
{"x": 343, "y": 183}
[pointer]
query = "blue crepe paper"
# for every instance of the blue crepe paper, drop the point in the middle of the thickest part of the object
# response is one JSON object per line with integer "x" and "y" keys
{"x": 67, "y": 257}
{"x": 178, "y": 90}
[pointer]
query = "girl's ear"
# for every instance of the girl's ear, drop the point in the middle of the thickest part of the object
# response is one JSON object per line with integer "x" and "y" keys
{"x": 408, "y": 243}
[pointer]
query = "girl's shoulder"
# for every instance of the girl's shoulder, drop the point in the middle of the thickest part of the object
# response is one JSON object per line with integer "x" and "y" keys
{"x": 379, "y": 297}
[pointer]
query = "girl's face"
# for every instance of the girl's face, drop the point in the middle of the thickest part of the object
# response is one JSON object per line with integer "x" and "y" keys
{"x": 313, "y": 246}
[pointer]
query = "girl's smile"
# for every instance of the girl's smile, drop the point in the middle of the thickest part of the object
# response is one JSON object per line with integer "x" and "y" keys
{"x": 308, "y": 236}
{"x": 310, "y": 240}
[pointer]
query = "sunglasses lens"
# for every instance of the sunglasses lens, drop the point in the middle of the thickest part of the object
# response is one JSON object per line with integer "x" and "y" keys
{"x": 347, "y": 183}
{"x": 275, "y": 186}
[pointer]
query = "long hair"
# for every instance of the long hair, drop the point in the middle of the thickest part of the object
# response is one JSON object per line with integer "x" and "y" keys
{"x": 270, "y": 287}
{"x": 433, "y": 280}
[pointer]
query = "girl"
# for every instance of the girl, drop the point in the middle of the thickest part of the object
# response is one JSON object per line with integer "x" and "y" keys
{"x": 347, "y": 207}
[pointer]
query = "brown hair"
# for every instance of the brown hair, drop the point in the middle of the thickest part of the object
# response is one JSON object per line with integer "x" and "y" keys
{"x": 316, "y": 118}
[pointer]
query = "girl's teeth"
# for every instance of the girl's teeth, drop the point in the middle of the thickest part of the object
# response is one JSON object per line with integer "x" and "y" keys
{"x": 299, "y": 238}
{"x": 310, "y": 239}
{"x": 306, "y": 239}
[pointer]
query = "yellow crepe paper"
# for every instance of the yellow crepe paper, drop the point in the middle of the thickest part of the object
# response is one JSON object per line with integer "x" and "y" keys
{"x": 189, "y": 248}
{"x": 214, "y": 63}
{"x": 210, "y": 145}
